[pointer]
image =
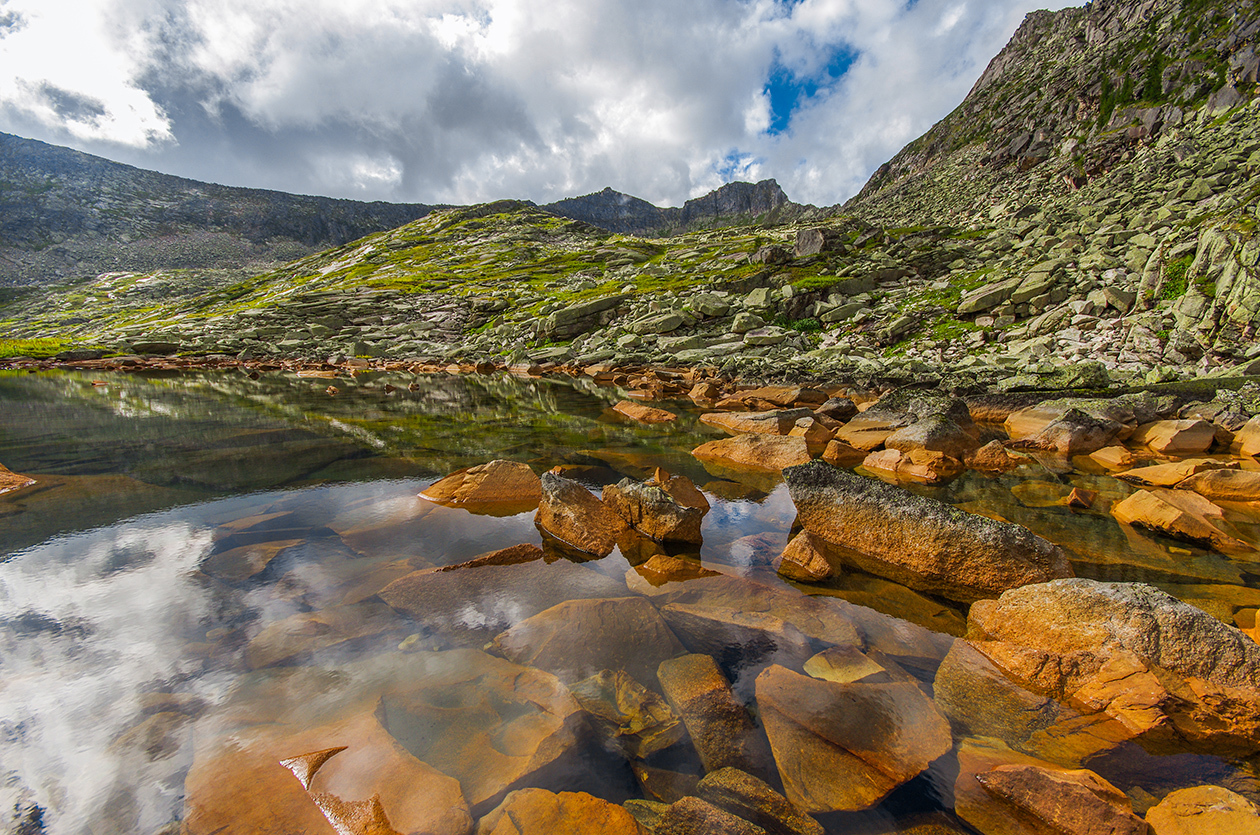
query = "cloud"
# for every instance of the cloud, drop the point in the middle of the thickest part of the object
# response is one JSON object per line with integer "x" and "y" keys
{"x": 469, "y": 100}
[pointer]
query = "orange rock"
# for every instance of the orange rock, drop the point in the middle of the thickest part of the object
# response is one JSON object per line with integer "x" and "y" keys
{"x": 1180, "y": 515}
{"x": 1081, "y": 499}
{"x": 759, "y": 452}
{"x": 704, "y": 393}
{"x": 653, "y": 512}
{"x": 866, "y": 433}
{"x": 1113, "y": 457}
{"x": 804, "y": 559}
{"x": 840, "y": 454}
{"x": 1247, "y": 440}
{"x": 992, "y": 458}
{"x": 777, "y": 422}
{"x": 722, "y": 730}
{"x": 644, "y": 414}
{"x": 1204, "y": 810}
{"x": 1167, "y": 475}
{"x": 540, "y": 812}
{"x": 572, "y": 515}
{"x": 816, "y": 435}
{"x": 1225, "y": 485}
{"x": 10, "y": 481}
{"x": 498, "y": 488}
{"x": 918, "y": 464}
{"x": 1176, "y": 437}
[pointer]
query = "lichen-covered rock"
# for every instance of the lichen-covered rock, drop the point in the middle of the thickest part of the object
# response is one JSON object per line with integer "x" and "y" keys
{"x": 917, "y": 541}
{"x": 652, "y": 511}
{"x": 694, "y": 816}
{"x": 844, "y": 747}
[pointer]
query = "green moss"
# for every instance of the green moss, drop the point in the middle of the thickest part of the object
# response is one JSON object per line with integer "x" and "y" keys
{"x": 1175, "y": 278}
{"x": 36, "y": 348}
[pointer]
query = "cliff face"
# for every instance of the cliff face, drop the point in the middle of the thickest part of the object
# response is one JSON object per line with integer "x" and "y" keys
{"x": 65, "y": 214}
{"x": 1069, "y": 98}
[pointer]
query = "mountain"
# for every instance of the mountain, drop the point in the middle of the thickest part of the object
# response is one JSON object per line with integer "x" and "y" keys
{"x": 1088, "y": 216}
{"x": 733, "y": 203}
{"x": 66, "y": 214}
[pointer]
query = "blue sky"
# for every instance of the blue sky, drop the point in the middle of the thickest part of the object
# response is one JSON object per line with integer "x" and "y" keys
{"x": 469, "y": 100}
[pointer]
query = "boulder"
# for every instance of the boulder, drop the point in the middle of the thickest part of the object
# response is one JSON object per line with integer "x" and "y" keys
{"x": 774, "y": 422}
{"x": 578, "y": 638}
{"x": 758, "y": 452}
{"x": 633, "y": 719}
{"x": 936, "y": 433}
{"x": 804, "y": 559}
{"x": 1247, "y": 439}
{"x": 840, "y": 454}
{"x": 1204, "y": 810}
{"x": 644, "y": 414}
{"x": 1113, "y": 457}
{"x": 817, "y": 240}
{"x": 844, "y": 747}
{"x": 992, "y": 458}
{"x": 741, "y": 639}
{"x": 1168, "y": 475}
{"x": 917, "y": 465}
{"x": 499, "y": 488}
{"x": 1224, "y": 485}
{"x": 1176, "y": 437}
{"x": 540, "y": 812}
{"x": 572, "y": 515}
{"x": 722, "y": 730}
{"x": 485, "y": 599}
{"x": 1169, "y": 672}
{"x": 916, "y": 541}
{"x": 649, "y": 509}
{"x": 747, "y": 797}
{"x": 693, "y": 816}
{"x": 493, "y": 725}
{"x": 1181, "y": 515}
{"x": 837, "y": 408}
{"x": 10, "y": 481}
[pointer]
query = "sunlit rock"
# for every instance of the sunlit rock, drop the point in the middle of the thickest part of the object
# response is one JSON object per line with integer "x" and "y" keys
{"x": 759, "y": 452}
{"x": 841, "y": 454}
{"x": 1113, "y": 457}
{"x": 541, "y": 812}
{"x": 749, "y": 798}
{"x": 916, "y": 465}
{"x": 1204, "y": 810}
{"x": 572, "y": 515}
{"x": 663, "y": 569}
{"x": 308, "y": 632}
{"x": 497, "y": 488}
{"x": 1172, "y": 473}
{"x": 804, "y": 559}
{"x": 578, "y": 638}
{"x": 775, "y": 422}
{"x": 650, "y": 509}
{"x": 10, "y": 481}
{"x": 992, "y": 458}
{"x": 721, "y": 728}
{"x": 487, "y": 599}
{"x": 849, "y": 665}
{"x": 1247, "y": 439}
{"x": 917, "y": 541}
{"x": 844, "y": 747}
{"x": 1175, "y": 677}
{"x": 1225, "y": 485}
{"x": 493, "y": 725}
{"x": 1175, "y": 437}
{"x": 635, "y": 720}
{"x": 1076, "y": 802}
{"x": 644, "y": 414}
{"x": 1182, "y": 515}
{"x": 512, "y": 555}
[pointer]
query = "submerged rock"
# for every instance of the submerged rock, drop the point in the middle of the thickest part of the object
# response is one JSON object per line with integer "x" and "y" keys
{"x": 1077, "y": 802}
{"x": 540, "y": 812}
{"x": 498, "y": 488}
{"x": 749, "y": 798}
{"x": 721, "y": 728}
{"x": 916, "y": 541}
{"x": 578, "y": 638}
{"x": 1204, "y": 810}
{"x": 635, "y": 720}
{"x": 844, "y": 747}
{"x": 694, "y": 816}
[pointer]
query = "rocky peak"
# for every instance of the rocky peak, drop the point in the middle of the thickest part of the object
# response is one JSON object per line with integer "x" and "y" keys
{"x": 735, "y": 199}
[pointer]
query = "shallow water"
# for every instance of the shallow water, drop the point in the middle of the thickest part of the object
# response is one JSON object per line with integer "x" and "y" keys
{"x": 194, "y": 579}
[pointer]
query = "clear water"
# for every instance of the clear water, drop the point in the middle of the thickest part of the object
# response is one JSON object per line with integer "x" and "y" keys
{"x": 133, "y": 663}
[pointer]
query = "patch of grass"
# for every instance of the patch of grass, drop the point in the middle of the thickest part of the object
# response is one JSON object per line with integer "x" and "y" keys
{"x": 36, "y": 348}
{"x": 1175, "y": 278}
{"x": 806, "y": 325}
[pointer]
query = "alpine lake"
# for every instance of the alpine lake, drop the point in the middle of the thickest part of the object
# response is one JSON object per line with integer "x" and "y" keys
{"x": 192, "y": 623}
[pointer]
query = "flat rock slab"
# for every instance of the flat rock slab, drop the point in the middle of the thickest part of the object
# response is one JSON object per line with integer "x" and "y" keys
{"x": 498, "y": 488}
{"x": 1204, "y": 810}
{"x": 770, "y": 453}
{"x": 540, "y": 812}
{"x": 916, "y": 541}
{"x": 844, "y": 747}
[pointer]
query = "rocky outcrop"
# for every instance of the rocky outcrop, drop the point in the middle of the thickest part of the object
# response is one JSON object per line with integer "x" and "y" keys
{"x": 916, "y": 541}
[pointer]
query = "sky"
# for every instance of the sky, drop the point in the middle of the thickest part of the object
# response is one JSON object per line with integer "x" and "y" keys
{"x": 464, "y": 101}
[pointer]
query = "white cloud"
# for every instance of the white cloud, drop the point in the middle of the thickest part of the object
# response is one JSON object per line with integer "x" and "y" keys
{"x": 468, "y": 100}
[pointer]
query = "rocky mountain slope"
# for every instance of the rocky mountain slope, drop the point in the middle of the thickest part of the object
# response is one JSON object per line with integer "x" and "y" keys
{"x": 1081, "y": 219}
{"x": 67, "y": 214}
{"x": 732, "y": 204}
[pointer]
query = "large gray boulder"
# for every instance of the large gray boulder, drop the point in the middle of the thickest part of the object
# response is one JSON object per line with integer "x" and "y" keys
{"x": 916, "y": 541}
